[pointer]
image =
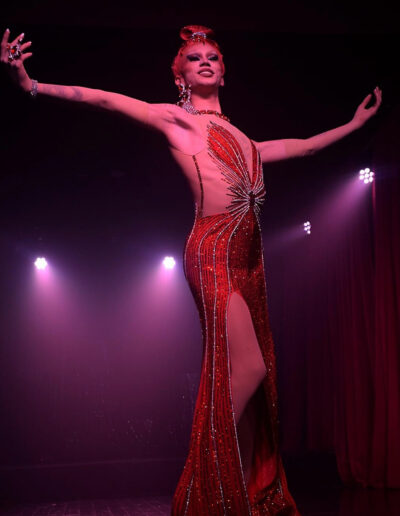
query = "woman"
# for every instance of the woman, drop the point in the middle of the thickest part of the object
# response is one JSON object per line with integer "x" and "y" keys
{"x": 233, "y": 466}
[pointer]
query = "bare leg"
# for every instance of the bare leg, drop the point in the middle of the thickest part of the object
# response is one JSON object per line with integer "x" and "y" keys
{"x": 247, "y": 372}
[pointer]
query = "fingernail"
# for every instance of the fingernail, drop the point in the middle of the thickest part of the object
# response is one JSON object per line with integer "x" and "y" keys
{"x": 8, "y": 30}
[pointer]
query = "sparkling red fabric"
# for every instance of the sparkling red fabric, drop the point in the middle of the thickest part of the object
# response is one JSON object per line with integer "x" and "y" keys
{"x": 223, "y": 254}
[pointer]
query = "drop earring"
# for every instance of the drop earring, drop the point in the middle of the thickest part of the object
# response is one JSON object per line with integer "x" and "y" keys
{"x": 185, "y": 93}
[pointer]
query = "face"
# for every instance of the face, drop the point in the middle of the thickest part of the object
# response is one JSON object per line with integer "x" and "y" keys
{"x": 201, "y": 67}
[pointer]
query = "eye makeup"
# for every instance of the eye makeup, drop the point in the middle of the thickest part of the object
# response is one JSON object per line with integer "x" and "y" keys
{"x": 193, "y": 57}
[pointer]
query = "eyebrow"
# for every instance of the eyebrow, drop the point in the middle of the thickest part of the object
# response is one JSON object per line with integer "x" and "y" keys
{"x": 198, "y": 53}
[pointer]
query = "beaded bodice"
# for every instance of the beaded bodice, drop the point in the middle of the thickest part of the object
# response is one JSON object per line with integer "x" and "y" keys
{"x": 226, "y": 174}
{"x": 246, "y": 186}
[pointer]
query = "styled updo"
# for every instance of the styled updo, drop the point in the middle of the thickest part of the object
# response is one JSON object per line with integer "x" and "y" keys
{"x": 186, "y": 33}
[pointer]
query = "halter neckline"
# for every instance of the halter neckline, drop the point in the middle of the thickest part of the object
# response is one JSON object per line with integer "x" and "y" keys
{"x": 188, "y": 106}
{"x": 211, "y": 112}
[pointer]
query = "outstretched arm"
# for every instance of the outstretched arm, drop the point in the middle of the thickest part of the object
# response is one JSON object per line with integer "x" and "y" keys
{"x": 169, "y": 119}
{"x": 277, "y": 150}
{"x": 137, "y": 110}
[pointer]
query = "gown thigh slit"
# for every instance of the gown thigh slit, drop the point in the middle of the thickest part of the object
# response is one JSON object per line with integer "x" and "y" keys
{"x": 247, "y": 366}
{"x": 223, "y": 255}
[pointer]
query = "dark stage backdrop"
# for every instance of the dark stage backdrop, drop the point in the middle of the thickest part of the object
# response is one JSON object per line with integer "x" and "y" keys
{"x": 100, "y": 363}
{"x": 339, "y": 343}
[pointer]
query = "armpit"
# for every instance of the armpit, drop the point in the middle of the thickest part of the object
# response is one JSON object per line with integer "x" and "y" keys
{"x": 277, "y": 150}
{"x": 178, "y": 126}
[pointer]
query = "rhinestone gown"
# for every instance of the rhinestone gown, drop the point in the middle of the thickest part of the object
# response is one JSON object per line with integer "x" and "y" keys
{"x": 223, "y": 254}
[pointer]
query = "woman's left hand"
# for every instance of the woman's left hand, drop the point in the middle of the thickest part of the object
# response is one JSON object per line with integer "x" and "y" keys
{"x": 363, "y": 114}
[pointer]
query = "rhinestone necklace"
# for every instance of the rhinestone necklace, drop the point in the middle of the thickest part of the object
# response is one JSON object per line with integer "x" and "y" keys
{"x": 188, "y": 106}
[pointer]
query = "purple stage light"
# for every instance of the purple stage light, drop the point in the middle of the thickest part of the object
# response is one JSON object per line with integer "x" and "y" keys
{"x": 41, "y": 263}
{"x": 169, "y": 262}
{"x": 366, "y": 175}
{"x": 307, "y": 227}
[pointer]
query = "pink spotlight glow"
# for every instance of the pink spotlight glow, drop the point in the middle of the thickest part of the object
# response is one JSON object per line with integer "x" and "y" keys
{"x": 366, "y": 175}
{"x": 169, "y": 262}
{"x": 41, "y": 263}
{"x": 307, "y": 227}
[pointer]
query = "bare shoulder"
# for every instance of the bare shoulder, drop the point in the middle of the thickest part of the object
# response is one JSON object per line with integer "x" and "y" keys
{"x": 181, "y": 129}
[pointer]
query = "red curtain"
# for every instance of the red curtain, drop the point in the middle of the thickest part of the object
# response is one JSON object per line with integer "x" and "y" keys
{"x": 338, "y": 340}
{"x": 384, "y": 465}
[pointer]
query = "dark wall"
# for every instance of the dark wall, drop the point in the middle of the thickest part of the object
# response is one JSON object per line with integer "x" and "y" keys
{"x": 101, "y": 366}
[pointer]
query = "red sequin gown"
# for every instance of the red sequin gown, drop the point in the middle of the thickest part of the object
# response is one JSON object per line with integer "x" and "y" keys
{"x": 223, "y": 254}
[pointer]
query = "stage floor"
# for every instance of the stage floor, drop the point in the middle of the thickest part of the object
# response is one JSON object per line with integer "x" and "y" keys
{"x": 329, "y": 501}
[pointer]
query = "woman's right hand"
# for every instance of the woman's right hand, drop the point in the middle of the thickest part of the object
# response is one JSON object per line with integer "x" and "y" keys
{"x": 15, "y": 68}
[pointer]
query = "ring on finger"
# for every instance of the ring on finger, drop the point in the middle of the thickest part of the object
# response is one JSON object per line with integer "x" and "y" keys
{"x": 14, "y": 52}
